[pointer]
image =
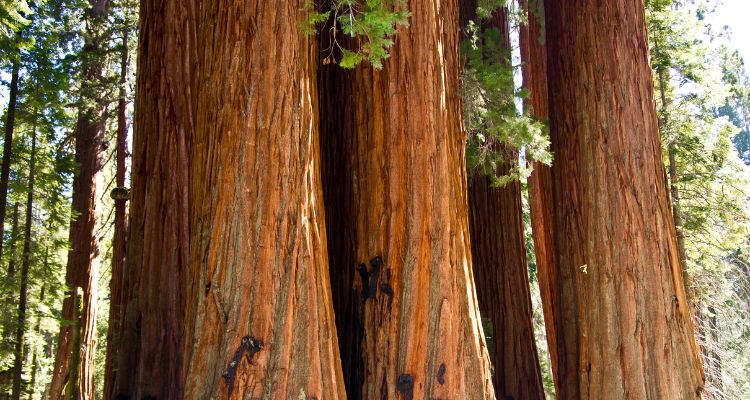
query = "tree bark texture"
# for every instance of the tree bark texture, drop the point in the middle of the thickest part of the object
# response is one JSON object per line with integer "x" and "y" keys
{"x": 150, "y": 346}
{"x": 624, "y": 322}
{"x": 25, "y": 265}
{"x": 534, "y": 70}
{"x": 82, "y": 268}
{"x": 499, "y": 261}
{"x": 422, "y": 335}
{"x": 119, "y": 239}
{"x": 259, "y": 316}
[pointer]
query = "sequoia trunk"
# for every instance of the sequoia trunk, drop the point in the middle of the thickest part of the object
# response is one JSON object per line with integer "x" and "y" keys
{"x": 421, "y": 331}
{"x": 499, "y": 259}
{"x": 149, "y": 358}
{"x": 624, "y": 322}
{"x": 120, "y": 229}
{"x": 259, "y": 316}
{"x": 534, "y": 69}
{"x": 73, "y": 373}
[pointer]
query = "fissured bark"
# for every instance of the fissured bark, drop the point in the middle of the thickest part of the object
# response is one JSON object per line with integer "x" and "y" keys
{"x": 624, "y": 326}
{"x": 150, "y": 345}
{"x": 421, "y": 331}
{"x": 119, "y": 239}
{"x": 259, "y": 317}
{"x": 499, "y": 260}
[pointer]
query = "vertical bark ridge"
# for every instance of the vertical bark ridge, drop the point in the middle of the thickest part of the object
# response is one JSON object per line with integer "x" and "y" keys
{"x": 625, "y": 326}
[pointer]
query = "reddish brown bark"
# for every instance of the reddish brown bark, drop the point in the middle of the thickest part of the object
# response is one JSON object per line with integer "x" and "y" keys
{"x": 259, "y": 317}
{"x": 499, "y": 260}
{"x": 624, "y": 326}
{"x": 83, "y": 265}
{"x": 119, "y": 239}
{"x": 534, "y": 69}
{"x": 150, "y": 353}
{"x": 421, "y": 331}
{"x": 73, "y": 373}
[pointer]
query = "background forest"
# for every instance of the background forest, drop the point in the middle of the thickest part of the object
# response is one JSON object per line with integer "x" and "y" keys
{"x": 69, "y": 78}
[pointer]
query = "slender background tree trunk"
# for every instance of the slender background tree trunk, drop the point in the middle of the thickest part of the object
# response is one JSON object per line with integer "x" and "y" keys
{"x": 499, "y": 260}
{"x": 26, "y": 263}
{"x": 10, "y": 123}
{"x": 625, "y": 326}
{"x": 82, "y": 270}
{"x": 119, "y": 240}
{"x": 534, "y": 69}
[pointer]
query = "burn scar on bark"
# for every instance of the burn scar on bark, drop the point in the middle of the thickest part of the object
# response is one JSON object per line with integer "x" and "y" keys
{"x": 362, "y": 270}
{"x": 405, "y": 385}
{"x": 372, "y": 288}
{"x": 248, "y": 347}
{"x": 387, "y": 289}
{"x": 441, "y": 374}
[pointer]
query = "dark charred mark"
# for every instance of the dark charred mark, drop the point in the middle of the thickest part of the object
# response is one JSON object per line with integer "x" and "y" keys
{"x": 362, "y": 269}
{"x": 405, "y": 385}
{"x": 122, "y": 397}
{"x": 387, "y": 289}
{"x": 248, "y": 347}
{"x": 372, "y": 288}
{"x": 207, "y": 288}
{"x": 441, "y": 374}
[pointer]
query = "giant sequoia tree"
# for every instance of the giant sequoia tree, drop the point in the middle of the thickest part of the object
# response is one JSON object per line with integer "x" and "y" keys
{"x": 420, "y": 331}
{"x": 149, "y": 347}
{"x": 258, "y": 318}
{"x": 623, "y": 322}
{"x": 247, "y": 307}
{"x": 74, "y": 362}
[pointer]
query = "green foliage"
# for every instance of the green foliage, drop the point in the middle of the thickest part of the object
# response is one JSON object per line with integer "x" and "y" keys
{"x": 491, "y": 116}
{"x": 370, "y": 23}
{"x": 700, "y": 113}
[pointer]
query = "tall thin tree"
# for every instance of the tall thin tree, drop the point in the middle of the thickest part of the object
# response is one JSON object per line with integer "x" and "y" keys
{"x": 10, "y": 123}
{"x": 74, "y": 359}
{"x": 119, "y": 240}
{"x": 499, "y": 254}
{"x": 534, "y": 69}
{"x": 25, "y": 265}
